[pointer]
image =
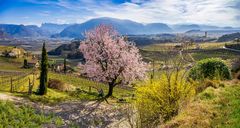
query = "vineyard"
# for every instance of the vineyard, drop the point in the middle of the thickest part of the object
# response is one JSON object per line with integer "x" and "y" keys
{"x": 88, "y": 85}
{"x": 235, "y": 46}
{"x": 14, "y": 81}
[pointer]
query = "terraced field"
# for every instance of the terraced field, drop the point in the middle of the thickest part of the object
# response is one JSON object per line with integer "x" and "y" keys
{"x": 160, "y": 52}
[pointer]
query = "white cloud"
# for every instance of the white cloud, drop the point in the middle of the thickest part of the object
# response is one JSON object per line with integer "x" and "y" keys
{"x": 213, "y": 12}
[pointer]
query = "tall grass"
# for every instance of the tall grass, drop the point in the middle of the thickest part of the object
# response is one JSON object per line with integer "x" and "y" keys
{"x": 217, "y": 107}
{"x": 24, "y": 116}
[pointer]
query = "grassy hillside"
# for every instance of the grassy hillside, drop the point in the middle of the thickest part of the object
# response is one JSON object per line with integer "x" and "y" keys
{"x": 82, "y": 93}
{"x": 53, "y": 96}
{"x": 160, "y": 52}
{"x": 235, "y": 46}
{"x": 166, "y": 46}
{"x": 215, "y": 53}
{"x": 218, "y": 107}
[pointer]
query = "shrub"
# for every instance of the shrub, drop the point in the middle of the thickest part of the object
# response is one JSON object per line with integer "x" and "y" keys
{"x": 160, "y": 100}
{"x": 210, "y": 68}
{"x": 59, "y": 85}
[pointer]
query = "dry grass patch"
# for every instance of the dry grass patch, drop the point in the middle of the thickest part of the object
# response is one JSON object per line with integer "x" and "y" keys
{"x": 59, "y": 85}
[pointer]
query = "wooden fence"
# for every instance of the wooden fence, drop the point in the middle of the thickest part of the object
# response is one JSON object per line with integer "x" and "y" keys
{"x": 16, "y": 81}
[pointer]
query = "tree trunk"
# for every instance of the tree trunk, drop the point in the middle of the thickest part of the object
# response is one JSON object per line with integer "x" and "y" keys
{"x": 110, "y": 90}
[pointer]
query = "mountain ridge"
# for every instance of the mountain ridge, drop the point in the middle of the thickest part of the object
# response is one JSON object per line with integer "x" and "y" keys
{"x": 23, "y": 30}
{"x": 123, "y": 26}
{"x": 54, "y": 28}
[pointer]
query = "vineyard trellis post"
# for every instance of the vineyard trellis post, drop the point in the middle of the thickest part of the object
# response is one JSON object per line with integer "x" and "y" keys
{"x": 11, "y": 85}
{"x": 33, "y": 79}
{"x": 15, "y": 81}
{"x": 31, "y": 84}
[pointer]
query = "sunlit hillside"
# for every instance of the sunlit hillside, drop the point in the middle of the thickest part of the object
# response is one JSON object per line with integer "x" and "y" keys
{"x": 119, "y": 64}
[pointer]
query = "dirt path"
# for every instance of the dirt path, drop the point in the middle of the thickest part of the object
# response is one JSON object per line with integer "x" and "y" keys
{"x": 9, "y": 97}
{"x": 80, "y": 114}
{"x": 5, "y": 97}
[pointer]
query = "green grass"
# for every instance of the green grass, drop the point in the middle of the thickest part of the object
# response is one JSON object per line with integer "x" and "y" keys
{"x": 52, "y": 97}
{"x": 228, "y": 108}
{"x": 10, "y": 64}
{"x": 81, "y": 94}
{"x": 84, "y": 84}
{"x": 55, "y": 96}
{"x": 13, "y": 64}
{"x": 20, "y": 81}
{"x": 218, "y": 107}
{"x": 212, "y": 45}
{"x": 159, "y": 47}
{"x": 12, "y": 116}
{"x": 166, "y": 46}
{"x": 223, "y": 54}
{"x": 159, "y": 56}
{"x": 160, "y": 52}
{"x": 162, "y": 56}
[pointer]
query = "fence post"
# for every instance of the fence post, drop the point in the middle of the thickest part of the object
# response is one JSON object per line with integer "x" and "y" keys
{"x": 33, "y": 79}
{"x": 90, "y": 89}
{"x": 11, "y": 85}
{"x": 29, "y": 87}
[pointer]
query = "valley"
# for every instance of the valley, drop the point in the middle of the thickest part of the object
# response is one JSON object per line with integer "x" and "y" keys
{"x": 119, "y": 64}
{"x": 81, "y": 97}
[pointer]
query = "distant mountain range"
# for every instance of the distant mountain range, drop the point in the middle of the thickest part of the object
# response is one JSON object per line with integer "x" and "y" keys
{"x": 54, "y": 28}
{"x": 188, "y": 27}
{"x": 3, "y": 35}
{"x": 184, "y": 28}
{"x": 23, "y": 31}
{"x": 124, "y": 27}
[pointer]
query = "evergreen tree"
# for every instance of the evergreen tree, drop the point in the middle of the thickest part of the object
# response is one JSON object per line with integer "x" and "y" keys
{"x": 25, "y": 64}
{"x": 65, "y": 66}
{"x": 44, "y": 72}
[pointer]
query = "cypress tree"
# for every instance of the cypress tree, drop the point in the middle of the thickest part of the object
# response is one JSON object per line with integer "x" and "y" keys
{"x": 44, "y": 72}
{"x": 65, "y": 66}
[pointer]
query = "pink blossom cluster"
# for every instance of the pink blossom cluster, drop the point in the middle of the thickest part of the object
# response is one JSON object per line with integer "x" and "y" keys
{"x": 110, "y": 58}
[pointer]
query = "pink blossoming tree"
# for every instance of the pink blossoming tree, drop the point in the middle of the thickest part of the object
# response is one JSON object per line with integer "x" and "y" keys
{"x": 110, "y": 58}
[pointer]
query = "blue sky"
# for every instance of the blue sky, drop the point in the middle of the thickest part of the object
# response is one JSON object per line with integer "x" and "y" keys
{"x": 211, "y": 12}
